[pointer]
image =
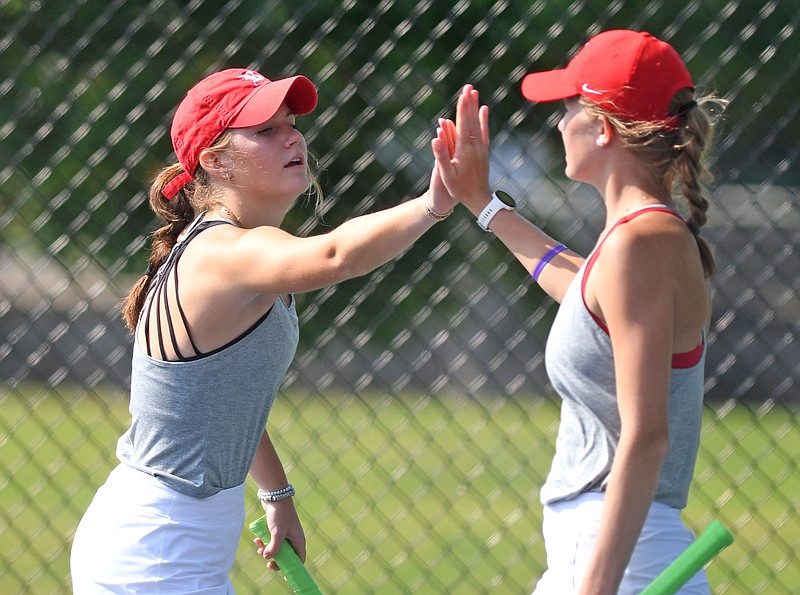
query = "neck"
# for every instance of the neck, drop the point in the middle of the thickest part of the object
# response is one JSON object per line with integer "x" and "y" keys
{"x": 626, "y": 194}
{"x": 248, "y": 216}
{"x": 628, "y": 206}
{"x": 626, "y": 184}
{"x": 230, "y": 215}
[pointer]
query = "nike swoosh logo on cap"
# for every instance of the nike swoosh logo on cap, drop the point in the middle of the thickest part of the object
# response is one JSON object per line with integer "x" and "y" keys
{"x": 587, "y": 89}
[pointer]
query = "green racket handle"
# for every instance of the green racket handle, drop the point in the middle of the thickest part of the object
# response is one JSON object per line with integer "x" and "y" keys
{"x": 711, "y": 542}
{"x": 294, "y": 571}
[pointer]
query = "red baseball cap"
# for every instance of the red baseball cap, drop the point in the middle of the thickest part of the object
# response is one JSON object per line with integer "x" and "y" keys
{"x": 232, "y": 98}
{"x": 628, "y": 73}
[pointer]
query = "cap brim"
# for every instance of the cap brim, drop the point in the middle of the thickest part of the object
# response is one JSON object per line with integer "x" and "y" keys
{"x": 298, "y": 92}
{"x": 551, "y": 85}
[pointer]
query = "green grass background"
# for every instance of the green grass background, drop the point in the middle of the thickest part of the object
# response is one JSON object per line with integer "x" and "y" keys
{"x": 405, "y": 494}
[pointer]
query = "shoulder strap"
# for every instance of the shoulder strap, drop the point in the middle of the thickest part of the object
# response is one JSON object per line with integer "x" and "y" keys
{"x": 679, "y": 360}
{"x": 157, "y": 302}
{"x": 596, "y": 252}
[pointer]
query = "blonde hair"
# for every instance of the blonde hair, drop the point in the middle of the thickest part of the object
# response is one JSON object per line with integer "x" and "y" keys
{"x": 676, "y": 154}
{"x": 198, "y": 195}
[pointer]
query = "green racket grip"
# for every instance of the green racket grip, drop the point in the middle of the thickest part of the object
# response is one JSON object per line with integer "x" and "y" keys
{"x": 710, "y": 542}
{"x": 294, "y": 571}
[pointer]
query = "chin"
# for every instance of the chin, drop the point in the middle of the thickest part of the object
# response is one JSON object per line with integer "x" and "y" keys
{"x": 295, "y": 188}
{"x": 571, "y": 174}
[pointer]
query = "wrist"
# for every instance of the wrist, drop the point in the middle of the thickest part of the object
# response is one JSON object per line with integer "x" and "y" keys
{"x": 500, "y": 201}
{"x": 276, "y": 495}
{"x": 433, "y": 212}
{"x": 476, "y": 199}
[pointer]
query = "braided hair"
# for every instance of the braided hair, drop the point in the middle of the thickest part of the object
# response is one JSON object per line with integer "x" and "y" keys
{"x": 676, "y": 155}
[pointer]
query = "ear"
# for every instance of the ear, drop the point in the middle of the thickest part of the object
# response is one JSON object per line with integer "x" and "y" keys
{"x": 606, "y": 132}
{"x": 215, "y": 164}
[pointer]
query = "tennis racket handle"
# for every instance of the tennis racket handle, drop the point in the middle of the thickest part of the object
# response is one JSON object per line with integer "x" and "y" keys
{"x": 294, "y": 571}
{"x": 710, "y": 542}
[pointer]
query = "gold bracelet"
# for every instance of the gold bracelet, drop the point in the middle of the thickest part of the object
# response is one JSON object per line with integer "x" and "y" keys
{"x": 433, "y": 214}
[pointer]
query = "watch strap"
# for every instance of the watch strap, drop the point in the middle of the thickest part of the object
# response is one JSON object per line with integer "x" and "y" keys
{"x": 487, "y": 214}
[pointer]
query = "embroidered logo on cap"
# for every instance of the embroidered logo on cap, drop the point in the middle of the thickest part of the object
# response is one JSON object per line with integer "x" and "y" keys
{"x": 252, "y": 76}
{"x": 587, "y": 89}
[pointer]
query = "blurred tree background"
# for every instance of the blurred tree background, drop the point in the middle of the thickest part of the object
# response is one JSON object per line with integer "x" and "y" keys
{"x": 89, "y": 92}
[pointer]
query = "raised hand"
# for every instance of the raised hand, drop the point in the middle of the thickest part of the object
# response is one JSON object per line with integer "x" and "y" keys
{"x": 461, "y": 150}
{"x": 439, "y": 198}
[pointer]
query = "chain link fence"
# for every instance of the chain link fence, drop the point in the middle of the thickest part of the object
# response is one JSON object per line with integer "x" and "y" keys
{"x": 417, "y": 421}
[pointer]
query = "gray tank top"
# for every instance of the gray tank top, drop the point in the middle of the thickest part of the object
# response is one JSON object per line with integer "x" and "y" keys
{"x": 196, "y": 424}
{"x": 580, "y": 364}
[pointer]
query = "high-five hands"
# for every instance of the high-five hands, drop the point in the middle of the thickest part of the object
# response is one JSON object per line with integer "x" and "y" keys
{"x": 461, "y": 150}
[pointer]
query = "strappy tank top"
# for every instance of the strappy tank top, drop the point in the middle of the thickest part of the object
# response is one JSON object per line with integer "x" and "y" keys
{"x": 196, "y": 423}
{"x": 580, "y": 364}
{"x": 158, "y": 301}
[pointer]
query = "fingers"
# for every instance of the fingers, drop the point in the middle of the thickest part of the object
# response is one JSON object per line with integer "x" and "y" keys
{"x": 446, "y": 133}
{"x": 441, "y": 151}
{"x": 483, "y": 115}
{"x": 270, "y": 558}
{"x": 468, "y": 123}
{"x": 272, "y": 547}
{"x": 269, "y": 550}
{"x": 461, "y": 150}
{"x": 449, "y": 130}
{"x": 261, "y": 548}
{"x": 471, "y": 125}
{"x": 442, "y": 156}
{"x": 463, "y": 129}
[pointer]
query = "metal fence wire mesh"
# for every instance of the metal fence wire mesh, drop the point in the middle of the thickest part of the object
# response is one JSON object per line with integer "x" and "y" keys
{"x": 417, "y": 421}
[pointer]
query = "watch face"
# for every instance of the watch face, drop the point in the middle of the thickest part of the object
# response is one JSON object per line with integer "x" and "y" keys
{"x": 506, "y": 198}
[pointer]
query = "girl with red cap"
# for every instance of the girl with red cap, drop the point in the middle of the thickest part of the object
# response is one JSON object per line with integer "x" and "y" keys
{"x": 626, "y": 349}
{"x": 215, "y": 331}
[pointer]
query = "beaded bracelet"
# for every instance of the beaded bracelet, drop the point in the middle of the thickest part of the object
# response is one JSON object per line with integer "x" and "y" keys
{"x": 276, "y": 495}
{"x": 433, "y": 214}
{"x": 551, "y": 254}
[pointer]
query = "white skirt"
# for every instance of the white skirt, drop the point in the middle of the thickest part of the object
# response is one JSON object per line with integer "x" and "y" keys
{"x": 140, "y": 536}
{"x": 570, "y": 528}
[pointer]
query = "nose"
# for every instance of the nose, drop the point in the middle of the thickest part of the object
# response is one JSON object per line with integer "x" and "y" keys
{"x": 562, "y": 123}
{"x": 294, "y": 136}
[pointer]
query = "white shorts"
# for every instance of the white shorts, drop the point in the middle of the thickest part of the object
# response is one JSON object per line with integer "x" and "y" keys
{"x": 570, "y": 528}
{"x": 140, "y": 536}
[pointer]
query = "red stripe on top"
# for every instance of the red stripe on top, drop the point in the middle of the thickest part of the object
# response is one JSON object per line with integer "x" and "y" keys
{"x": 687, "y": 359}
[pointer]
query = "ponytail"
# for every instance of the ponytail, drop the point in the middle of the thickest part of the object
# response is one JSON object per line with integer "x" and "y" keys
{"x": 176, "y": 213}
{"x": 688, "y": 167}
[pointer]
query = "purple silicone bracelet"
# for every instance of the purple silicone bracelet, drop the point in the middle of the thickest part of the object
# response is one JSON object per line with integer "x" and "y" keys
{"x": 551, "y": 254}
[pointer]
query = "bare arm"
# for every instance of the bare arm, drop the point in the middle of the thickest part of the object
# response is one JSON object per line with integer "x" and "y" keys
{"x": 268, "y": 260}
{"x": 632, "y": 284}
{"x": 274, "y": 261}
{"x": 529, "y": 244}
{"x": 282, "y": 519}
{"x": 462, "y": 158}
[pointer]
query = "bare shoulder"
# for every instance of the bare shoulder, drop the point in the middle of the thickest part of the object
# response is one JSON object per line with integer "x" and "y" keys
{"x": 655, "y": 255}
{"x": 263, "y": 260}
{"x": 230, "y": 244}
{"x": 652, "y": 244}
{"x": 223, "y": 259}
